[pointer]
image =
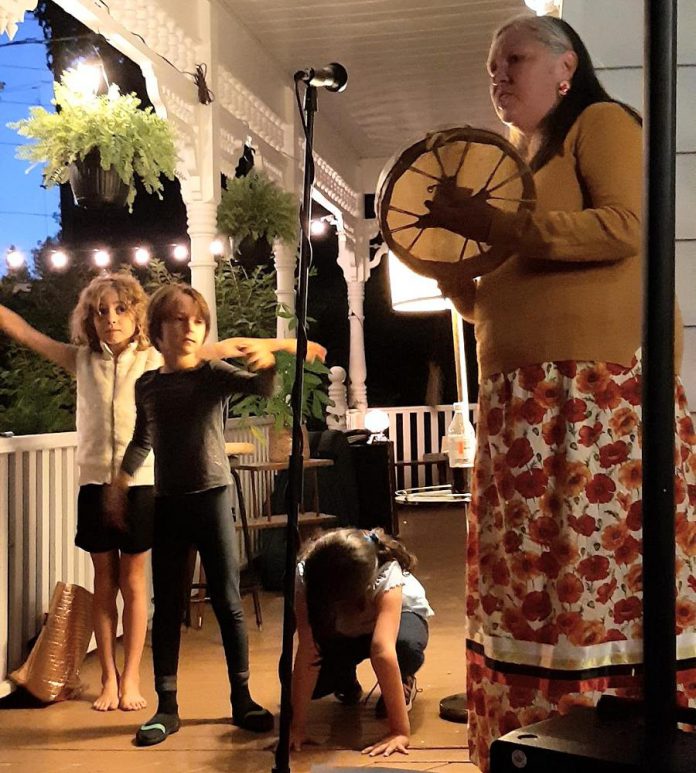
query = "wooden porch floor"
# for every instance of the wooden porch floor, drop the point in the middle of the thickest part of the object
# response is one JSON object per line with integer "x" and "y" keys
{"x": 69, "y": 736}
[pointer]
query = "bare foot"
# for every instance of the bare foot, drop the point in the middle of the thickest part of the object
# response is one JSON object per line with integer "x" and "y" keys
{"x": 131, "y": 699}
{"x": 108, "y": 700}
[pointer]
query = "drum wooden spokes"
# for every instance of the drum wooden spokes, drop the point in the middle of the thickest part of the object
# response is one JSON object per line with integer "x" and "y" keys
{"x": 477, "y": 162}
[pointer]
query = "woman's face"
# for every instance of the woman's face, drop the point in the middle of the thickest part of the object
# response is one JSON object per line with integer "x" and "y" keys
{"x": 525, "y": 76}
{"x": 114, "y": 322}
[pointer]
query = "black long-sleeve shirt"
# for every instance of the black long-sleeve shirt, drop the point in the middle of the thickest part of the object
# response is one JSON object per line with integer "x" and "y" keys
{"x": 180, "y": 416}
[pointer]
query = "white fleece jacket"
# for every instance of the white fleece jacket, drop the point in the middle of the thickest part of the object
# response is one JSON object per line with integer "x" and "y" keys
{"x": 106, "y": 411}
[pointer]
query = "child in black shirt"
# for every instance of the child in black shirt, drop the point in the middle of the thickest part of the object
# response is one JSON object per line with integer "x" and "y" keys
{"x": 180, "y": 416}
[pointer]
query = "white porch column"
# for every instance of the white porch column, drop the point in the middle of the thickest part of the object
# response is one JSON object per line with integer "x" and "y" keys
{"x": 357, "y": 365}
{"x": 202, "y": 228}
{"x": 284, "y": 258}
{"x": 354, "y": 259}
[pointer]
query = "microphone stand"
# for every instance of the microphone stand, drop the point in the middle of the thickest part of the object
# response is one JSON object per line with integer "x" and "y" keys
{"x": 296, "y": 468}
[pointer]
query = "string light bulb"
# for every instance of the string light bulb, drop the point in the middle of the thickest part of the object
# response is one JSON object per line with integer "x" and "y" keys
{"x": 14, "y": 258}
{"x": 101, "y": 258}
{"x": 180, "y": 252}
{"x": 318, "y": 227}
{"x": 83, "y": 80}
{"x": 217, "y": 247}
{"x": 59, "y": 260}
{"x": 142, "y": 256}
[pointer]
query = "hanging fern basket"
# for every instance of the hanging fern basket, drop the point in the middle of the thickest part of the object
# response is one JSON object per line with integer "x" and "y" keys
{"x": 250, "y": 252}
{"x": 94, "y": 187}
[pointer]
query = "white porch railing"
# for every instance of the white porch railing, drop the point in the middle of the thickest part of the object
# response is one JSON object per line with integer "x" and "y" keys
{"x": 38, "y": 496}
{"x": 415, "y": 431}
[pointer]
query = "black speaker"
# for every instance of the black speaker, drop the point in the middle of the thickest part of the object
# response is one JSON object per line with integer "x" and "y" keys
{"x": 584, "y": 741}
{"x": 374, "y": 474}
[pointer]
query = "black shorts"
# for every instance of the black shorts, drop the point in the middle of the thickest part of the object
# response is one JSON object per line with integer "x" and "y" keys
{"x": 96, "y": 537}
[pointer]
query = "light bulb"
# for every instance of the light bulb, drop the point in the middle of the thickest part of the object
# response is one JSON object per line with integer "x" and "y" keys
{"x": 83, "y": 80}
{"x": 318, "y": 227}
{"x": 376, "y": 421}
{"x": 216, "y": 247}
{"x": 14, "y": 258}
{"x": 101, "y": 258}
{"x": 180, "y": 252}
{"x": 142, "y": 256}
{"x": 59, "y": 259}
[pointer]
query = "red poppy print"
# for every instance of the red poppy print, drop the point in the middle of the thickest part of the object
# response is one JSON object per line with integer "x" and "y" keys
{"x": 554, "y": 566}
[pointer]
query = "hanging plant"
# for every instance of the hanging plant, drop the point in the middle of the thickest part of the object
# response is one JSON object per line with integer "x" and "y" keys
{"x": 254, "y": 211}
{"x": 108, "y": 132}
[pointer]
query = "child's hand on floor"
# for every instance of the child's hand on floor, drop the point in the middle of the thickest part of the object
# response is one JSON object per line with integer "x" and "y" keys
{"x": 392, "y": 743}
{"x": 298, "y": 738}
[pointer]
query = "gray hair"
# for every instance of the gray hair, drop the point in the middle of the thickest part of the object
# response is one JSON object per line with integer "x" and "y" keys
{"x": 544, "y": 28}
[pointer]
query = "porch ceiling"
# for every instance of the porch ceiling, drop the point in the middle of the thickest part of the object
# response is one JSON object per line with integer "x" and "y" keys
{"x": 413, "y": 65}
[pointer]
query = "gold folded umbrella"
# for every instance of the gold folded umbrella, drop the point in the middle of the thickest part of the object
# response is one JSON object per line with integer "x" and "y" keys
{"x": 51, "y": 672}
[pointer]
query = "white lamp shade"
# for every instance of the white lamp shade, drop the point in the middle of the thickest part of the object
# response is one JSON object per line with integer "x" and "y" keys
{"x": 413, "y": 292}
{"x": 376, "y": 420}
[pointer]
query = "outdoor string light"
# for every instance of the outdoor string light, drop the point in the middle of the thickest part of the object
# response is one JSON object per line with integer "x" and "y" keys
{"x": 217, "y": 247}
{"x": 86, "y": 79}
{"x": 101, "y": 258}
{"x": 14, "y": 258}
{"x": 180, "y": 252}
{"x": 59, "y": 260}
{"x": 142, "y": 256}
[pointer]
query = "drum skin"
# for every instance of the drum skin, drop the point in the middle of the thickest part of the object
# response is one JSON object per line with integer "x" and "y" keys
{"x": 478, "y": 161}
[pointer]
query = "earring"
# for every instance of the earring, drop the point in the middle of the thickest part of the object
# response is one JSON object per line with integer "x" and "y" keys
{"x": 563, "y": 88}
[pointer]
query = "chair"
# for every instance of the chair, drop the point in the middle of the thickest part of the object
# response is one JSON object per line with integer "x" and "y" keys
{"x": 252, "y": 584}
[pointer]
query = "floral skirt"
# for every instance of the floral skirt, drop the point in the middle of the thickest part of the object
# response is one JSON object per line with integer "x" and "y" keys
{"x": 554, "y": 568}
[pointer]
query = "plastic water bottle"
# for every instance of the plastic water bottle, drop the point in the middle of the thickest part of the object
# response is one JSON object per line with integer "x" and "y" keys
{"x": 461, "y": 438}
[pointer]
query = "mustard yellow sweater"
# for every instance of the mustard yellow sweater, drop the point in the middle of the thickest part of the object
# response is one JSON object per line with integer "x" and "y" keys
{"x": 572, "y": 289}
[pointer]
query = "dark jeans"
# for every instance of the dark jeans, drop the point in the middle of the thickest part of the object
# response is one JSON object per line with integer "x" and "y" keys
{"x": 343, "y": 653}
{"x": 204, "y": 520}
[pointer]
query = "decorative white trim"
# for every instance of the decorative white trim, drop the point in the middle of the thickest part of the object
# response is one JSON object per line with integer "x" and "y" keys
{"x": 178, "y": 107}
{"x": 158, "y": 30}
{"x": 330, "y": 182}
{"x": 229, "y": 144}
{"x": 12, "y": 14}
{"x": 250, "y": 110}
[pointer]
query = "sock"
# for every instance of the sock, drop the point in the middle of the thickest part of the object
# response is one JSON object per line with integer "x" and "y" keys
{"x": 167, "y": 702}
{"x": 246, "y": 713}
{"x": 166, "y": 720}
{"x": 157, "y": 728}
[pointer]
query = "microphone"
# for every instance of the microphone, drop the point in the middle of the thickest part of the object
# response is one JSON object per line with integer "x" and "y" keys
{"x": 332, "y": 77}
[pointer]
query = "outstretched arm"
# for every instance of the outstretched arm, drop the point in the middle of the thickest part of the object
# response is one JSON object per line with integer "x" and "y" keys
{"x": 259, "y": 352}
{"x": 386, "y": 666}
{"x": 23, "y": 333}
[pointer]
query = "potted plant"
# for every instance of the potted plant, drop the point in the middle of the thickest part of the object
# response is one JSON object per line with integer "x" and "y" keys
{"x": 314, "y": 402}
{"x": 99, "y": 144}
{"x": 254, "y": 212}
